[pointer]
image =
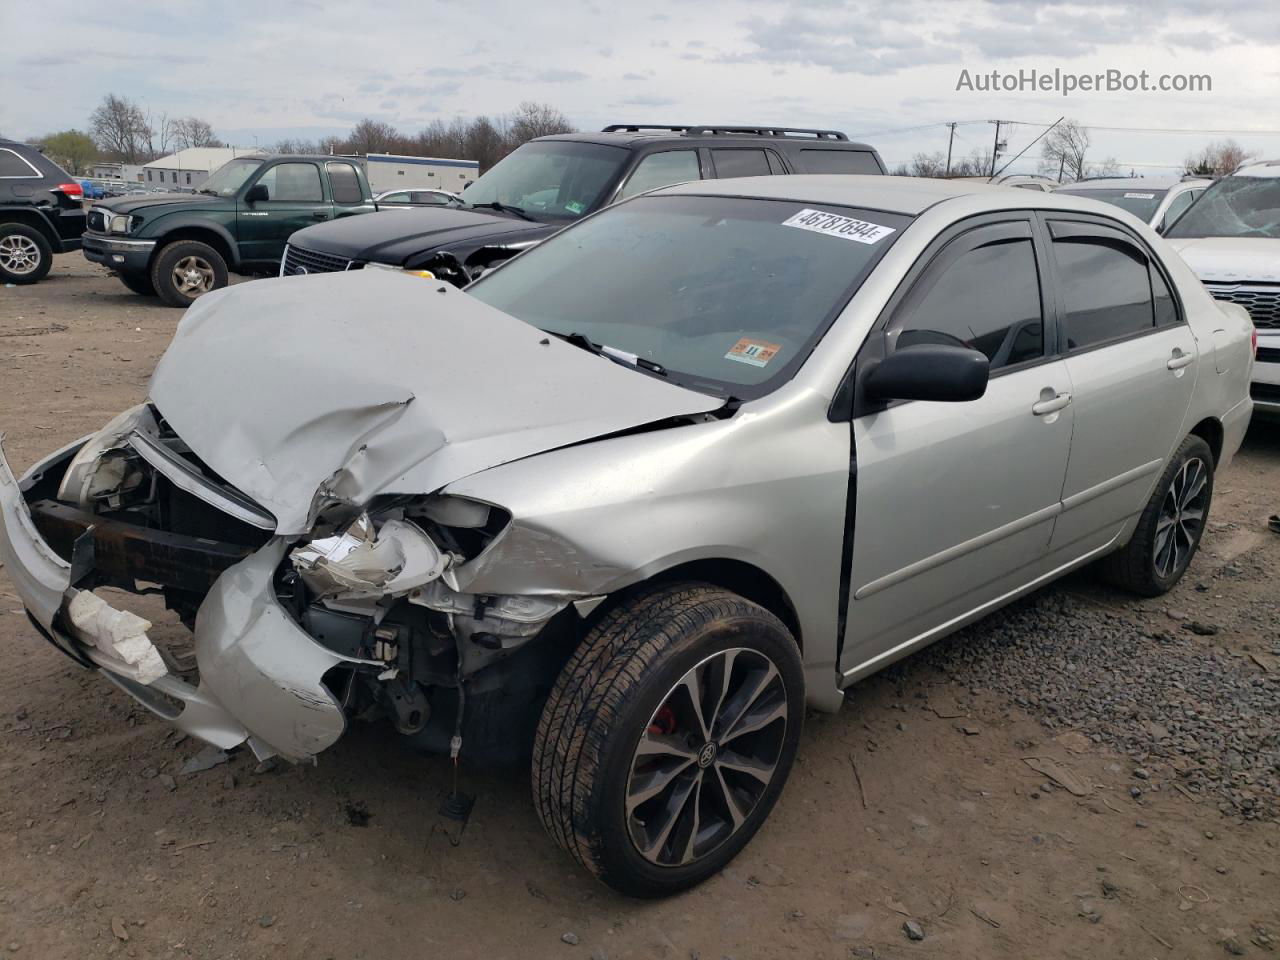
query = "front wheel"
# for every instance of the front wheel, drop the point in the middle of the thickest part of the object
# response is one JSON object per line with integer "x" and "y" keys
{"x": 668, "y": 737}
{"x": 139, "y": 283}
{"x": 185, "y": 270}
{"x": 1170, "y": 527}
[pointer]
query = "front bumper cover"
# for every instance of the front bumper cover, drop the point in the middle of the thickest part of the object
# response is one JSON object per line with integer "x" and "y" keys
{"x": 261, "y": 675}
{"x": 128, "y": 255}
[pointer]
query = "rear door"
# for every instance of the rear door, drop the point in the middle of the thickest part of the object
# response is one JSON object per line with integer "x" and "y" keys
{"x": 955, "y": 502}
{"x": 296, "y": 198}
{"x": 345, "y": 189}
{"x": 1133, "y": 363}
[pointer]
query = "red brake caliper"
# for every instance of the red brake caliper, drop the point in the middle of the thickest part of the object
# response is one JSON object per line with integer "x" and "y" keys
{"x": 664, "y": 722}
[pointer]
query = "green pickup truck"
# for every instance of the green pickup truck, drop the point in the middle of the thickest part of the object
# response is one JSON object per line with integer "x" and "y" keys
{"x": 180, "y": 245}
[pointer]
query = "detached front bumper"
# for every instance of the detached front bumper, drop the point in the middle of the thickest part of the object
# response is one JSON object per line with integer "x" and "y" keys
{"x": 133, "y": 256}
{"x": 261, "y": 675}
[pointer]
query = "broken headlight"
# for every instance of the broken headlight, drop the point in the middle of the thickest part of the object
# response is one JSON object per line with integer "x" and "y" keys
{"x": 103, "y": 470}
{"x": 362, "y": 560}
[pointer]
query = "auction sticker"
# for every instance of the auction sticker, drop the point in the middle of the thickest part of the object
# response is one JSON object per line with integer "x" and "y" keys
{"x": 1139, "y": 196}
{"x": 758, "y": 353}
{"x": 835, "y": 225}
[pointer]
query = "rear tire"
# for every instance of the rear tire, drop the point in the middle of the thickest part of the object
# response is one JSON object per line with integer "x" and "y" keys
{"x": 139, "y": 283}
{"x": 25, "y": 254}
{"x": 1170, "y": 527}
{"x": 185, "y": 270}
{"x": 648, "y": 792}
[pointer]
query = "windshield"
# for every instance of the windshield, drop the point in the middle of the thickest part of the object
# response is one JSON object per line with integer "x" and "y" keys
{"x": 230, "y": 177}
{"x": 1234, "y": 207}
{"x": 1139, "y": 201}
{"x": 727, "y": 295}
{"x": 551, "y": 179}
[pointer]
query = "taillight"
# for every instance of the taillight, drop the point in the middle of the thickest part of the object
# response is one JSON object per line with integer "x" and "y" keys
{"x": 73, "y": 190}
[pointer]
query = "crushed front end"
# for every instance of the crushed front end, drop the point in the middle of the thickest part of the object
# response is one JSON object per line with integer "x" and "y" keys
{"x": 293, "y": 635}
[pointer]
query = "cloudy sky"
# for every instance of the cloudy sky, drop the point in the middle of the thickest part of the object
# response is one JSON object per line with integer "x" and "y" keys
{"x": 306, "y": 68}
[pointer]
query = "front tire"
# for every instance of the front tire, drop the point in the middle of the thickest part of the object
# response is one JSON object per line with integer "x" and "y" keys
{"x": 25, "y": 254}
{"x": 1170, "y": 527}
{"x": 668, "y": 737}
{"x": 185, "y": 270}
{"x": 139, "y": 283}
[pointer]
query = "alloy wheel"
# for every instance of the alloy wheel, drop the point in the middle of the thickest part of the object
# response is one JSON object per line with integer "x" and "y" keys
{"x": 706, "y": 757}
{"x": 193, "y": 276}
{"x": 18, "y": 254}
{"x": 1181, "y": 517}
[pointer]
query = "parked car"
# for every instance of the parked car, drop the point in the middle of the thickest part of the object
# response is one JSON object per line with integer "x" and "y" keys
{"x": 91, "y": 190}
{"x": 399, "y": 199}
{"x": 1025, "y": 181}
{"x": 1158, "y": 201}
{"x": 180, "y": 246}
{"x": 634, "y": 500}
{"x": 40, "y": 213}
{"x": 1231, "y": 239}
{"x": 550, "y": 182}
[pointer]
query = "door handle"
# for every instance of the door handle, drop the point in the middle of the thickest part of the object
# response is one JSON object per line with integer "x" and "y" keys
{"x": 1052, "y": 405}
{"x": 1179, "y": 359}
{"x": 319, "y": 215}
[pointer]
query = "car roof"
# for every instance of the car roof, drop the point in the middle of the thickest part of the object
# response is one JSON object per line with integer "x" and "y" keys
{"x": 677, "y": 134}
{"x": 1129, "y": 183}
{"x": 905, "y": 195}
{"x": 1258, "y": 168}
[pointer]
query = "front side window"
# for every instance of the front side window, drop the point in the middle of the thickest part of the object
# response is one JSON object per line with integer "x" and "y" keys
{"x": 550, "y": 179}
{"x": 660, "y": 170}
{"x": 295, "y": 182}
{"x": 740, "y": 163}
{"x": 986, "y": 297}
{"x": 1237, "y": 206}
{"x": 1105, "y": 286}
{"x": 1177, "y": 206}
{"x": 344, "y": 183}
{"x": 723, "y": 294}
{"x": 401, "y": 196}
{"x": 230, "y": 177}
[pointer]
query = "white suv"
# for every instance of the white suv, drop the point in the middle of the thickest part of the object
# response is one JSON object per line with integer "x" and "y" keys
{"x": 1231, "y": 239}
{"x": 1157, "y": 200}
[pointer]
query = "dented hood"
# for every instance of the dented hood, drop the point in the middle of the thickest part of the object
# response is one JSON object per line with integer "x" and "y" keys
{"x": 355, "y": 384}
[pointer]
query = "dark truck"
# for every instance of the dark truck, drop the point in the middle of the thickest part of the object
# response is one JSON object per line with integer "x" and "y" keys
{"x": 181, "y": 245}
{"x": 550, "y": 182}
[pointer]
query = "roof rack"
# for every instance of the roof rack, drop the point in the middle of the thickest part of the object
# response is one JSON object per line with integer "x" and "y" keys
{"x": 713, "y": 130}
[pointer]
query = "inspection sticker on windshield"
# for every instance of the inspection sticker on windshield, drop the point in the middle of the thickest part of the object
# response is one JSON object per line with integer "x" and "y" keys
{"x": 1139, "y": 196}
{"x": 834, "y": 225}
{"x": 755, "y": 352}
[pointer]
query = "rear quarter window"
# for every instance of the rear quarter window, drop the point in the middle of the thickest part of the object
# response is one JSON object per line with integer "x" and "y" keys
{"x": 13, "y": 164}
{"x": 838, "y": 161}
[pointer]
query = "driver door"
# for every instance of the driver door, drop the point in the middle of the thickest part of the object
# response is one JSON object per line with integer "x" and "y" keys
{"x": 295, "y": 199}
{"x": 955, "y": 502}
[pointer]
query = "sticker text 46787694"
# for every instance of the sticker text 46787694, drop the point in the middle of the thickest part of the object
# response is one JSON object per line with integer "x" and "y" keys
{"x": 837, "y": 225}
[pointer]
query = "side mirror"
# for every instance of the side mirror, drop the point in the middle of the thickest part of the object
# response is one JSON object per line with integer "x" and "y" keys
{"x": 256, "y": 192}
{"x": 929, "y": 372}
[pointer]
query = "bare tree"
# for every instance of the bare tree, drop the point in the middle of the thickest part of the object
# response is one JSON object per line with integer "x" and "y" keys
{"x": 538, "y": 120}
{"x": 929, "y": 165}
{"x": 158, "y": 133}
{"x": 120, "y": 128}
{"x": 372, "y": 136}
{"x": 1064, "y": 151}
{"x": 1217, "y": 159}
{"x": 193, "y": 132}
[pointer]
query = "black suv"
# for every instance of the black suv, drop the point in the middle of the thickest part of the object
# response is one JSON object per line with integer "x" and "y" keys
{"x": 40, "y": 212}
{"x": 548, "y": 183}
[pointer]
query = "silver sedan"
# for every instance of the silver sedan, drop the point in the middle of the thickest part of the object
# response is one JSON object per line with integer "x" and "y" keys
{"x": 634, "y": 499}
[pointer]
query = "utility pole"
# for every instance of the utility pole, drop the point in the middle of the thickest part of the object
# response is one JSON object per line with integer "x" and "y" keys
{"x": 950, "y": 140}
{"x": 1062, "y": 166}
{"x": 995, "y": 148}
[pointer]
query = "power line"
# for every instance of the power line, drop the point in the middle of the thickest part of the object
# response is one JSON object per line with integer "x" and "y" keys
{"x": 1087, "y": 126}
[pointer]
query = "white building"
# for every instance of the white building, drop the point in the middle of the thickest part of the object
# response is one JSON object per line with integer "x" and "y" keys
{"x": 187, "y": 169}
{"x": 116, "y": 171}
{"x": 389, "y": 171}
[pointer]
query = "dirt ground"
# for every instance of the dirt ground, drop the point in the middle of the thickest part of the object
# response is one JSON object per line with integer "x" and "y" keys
{"x": 913, "y": 803}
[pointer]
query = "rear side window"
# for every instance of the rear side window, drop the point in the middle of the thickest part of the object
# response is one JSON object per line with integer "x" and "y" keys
{"x": 660, "y": 170}
{"x": 13, "y": 165}
{"x": 983, "y": 292}
{"x": 344, "y": 183}
{"x": 838, "y": 161}
{"x": 1105, "y": 286}
{"x": 740, "y": 163}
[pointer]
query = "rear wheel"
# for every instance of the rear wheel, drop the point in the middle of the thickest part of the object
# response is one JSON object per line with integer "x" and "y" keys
{"x": 139, "y": 283}
{"x": 668, "y": 737}
{"x": 1170, "y": 527}
{"x": 25, "y": 254}
{"x": 185, "y": 270}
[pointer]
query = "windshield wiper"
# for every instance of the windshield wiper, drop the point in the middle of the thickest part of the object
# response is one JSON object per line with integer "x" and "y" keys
{"x": 623, "y": 357}
{"x": 506, "y": 208}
